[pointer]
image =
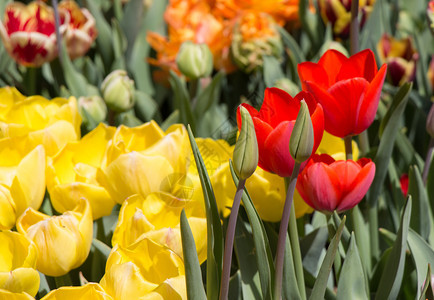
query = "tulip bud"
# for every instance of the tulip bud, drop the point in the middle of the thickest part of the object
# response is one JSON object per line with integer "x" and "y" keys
{"x": 194, "y": 60}
{"x": 118, "y": 91}
{"x": 430, "y": 122}
{"x": 302, "y": 138}
{"x": 92, "y": 109}
{"x": 246, "y": 149}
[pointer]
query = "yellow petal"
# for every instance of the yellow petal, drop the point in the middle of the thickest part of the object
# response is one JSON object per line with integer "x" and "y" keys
{"x": 88, "y": 291}
{"x": 7, "y": 295}
{"x": 7, "y": 208}
{"x": 20, "y": 280}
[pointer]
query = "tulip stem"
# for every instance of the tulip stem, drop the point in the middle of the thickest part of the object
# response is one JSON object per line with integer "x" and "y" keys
{"x": 428, "y": 160}
{"x": 57, "y": 28}
{"x": 287, "y": 212}
{"x": 348, "y": 147}
{"x": 229, "y": 241}
{"x": 354, "y": 27}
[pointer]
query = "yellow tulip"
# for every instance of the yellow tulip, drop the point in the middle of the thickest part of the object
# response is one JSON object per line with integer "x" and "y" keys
{"x": 71, "y": 173}
{"x": 170, "y": 289}
{"x": 89, "y": 291}
{"x": 17, "y": 263}
{"x": 63, "y": 241}
{"x": 9, "y": 96}
{"x": 22, "y": 179}
{"x": 140, "y": 160}
{"x": 157, "y": 217}
{"x": 138, "y": 270}
{"x": 7, "y": 295}
{"x": 335, "y": 147}
{"x": 51, "y": 123}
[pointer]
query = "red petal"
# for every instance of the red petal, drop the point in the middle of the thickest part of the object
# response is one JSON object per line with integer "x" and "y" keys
{"x": 358, "y": 188}
{"x": 278, "y": 106}
{"x": 370, "y": 102}
{"x": 332, "y": 61}
{"x": 309, "y": 71}
{"x": 318, "y": 126}
{"x": 350, "y": 95}
{"x": 361, "y": 64}
{"x": 262, "y": 131}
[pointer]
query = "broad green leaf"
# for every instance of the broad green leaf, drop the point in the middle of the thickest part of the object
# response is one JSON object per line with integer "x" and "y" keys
{"x": 235, "y": 292}
{"x": 75, "y": 81}
{"x": 119, "y": 46}
{"x": 44, "y": 288}
{"x": 422, "y": 254}
{"x": 170, "y": 120}
{"x": 193, "y": 274}
{"x": 310, "y": 282}
{"x": 272, "y": 71}
{"x": 430, "y": 186}
{"x": 102, "y": 248}
{"x": 361, "y": 229}
{"x": 320, "y": 286}
{"x": 312, "y": 246}
{"x": 389, "y": 237}
{"x": 145, "y": 106}
{"x": 384, "y": 152}
{"x": 421, "y": 219}
{"x": 391, "y": 278}
{"x": 352, "y": 280}
{"x": 290, "y": 288}
{"x": 428, "y": 291}
{"x": 182, "y": 100}
{"x": 289, "y": 42}
{"x": 131, "y": 22}
{"x": 214, "y": 229}
{"x": 263, "y": 254}
{"x": 208, "y": 97}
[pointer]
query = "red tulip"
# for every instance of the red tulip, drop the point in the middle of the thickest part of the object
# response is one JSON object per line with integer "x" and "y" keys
{"x": 403, "y": 180}
{"x": 273, "y": 126}
{"x": 328, "y": 185}
{"x": 348, "y": 89}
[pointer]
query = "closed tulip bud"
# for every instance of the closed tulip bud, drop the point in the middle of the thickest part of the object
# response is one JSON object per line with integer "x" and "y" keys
{"x": 302, "y": 138}
{"x": 430, "y": 122}
{"x": 93, "y": 110}
{"x": 118, "y": 91}
{"x": 194, "y": 60}
{"x": 18, "y": 261}
{"x": 246, "y": 149}
{"x": 63, "y": 241}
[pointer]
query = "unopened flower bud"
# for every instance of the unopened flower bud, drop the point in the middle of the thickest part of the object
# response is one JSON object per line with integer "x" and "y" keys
{"x": 430, "y": 122}
{"x": 118, "y": 91}
{"x": 302, "y": 138}
{"x": 246, "y": 149}
{"x": 194, "y": 60}
{"x": 92, "y": 109}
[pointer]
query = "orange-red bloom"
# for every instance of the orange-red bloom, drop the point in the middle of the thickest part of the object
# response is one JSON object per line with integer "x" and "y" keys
{"x": 28, "y": 33}
{"x": 348, "y": 89}
{"x": 273, "y": 126}
{"x": 328, "y": 185}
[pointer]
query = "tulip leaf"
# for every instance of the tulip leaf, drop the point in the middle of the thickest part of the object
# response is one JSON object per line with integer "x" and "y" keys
{"x": 264, "y": 257}
{"x": 119, "y": 46}
{"x": 290, "y": 42}
{"x": 320, "y": 286}
{"x": 170, "y": 120}
{"x": 131, "y": 22}
{"x": 235, "y": 291}
{"x": 361, "y": 229}
{"x": 272, "y": 70}
{"x": 422, "y": 254}
{"x": 214, "y": 229}
{"x": 430, "y": 185}
{"x": 102, "y": 248}
{"x": 182, "y": 100}
{"x": 193, "y": 274}
{"x": 208, "y": 96}
{"x": 393, "y": 272}
{"x": 145, "y": 106}
{"x": 421, "y": 218}
{"x": 384, "y": 152}
{"x": 312, "y": 246}
{"x": 428, "y": 290}
{"x": 44, "y": 287}
{"x": 389, "y": 237}
{"x": 352, "y": 280}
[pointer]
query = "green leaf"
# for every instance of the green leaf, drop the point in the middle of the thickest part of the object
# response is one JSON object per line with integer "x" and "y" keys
{"x": 422, "y": 255}
{"x": 102, "y": 248}
{"x": 391, "y": 278}
{"x": 352, "y": 280}
{"x": 421, "y": 219}
{"x": 214, "y": 229}
{"x": 119, "y": 46}
{"x": 384, "y": 152}
{"x": 312, "y": 247}
{"x": 170, "y": 120}
{"x": 182, "y": 100}
{"x": 145, "y": 106}
{"x": 208, "y": 97}
{"x": 75, "y": 81}
{"x": 264, "y": 257}
{"x": 428, "y": 291}
{"x": 235, "y": 292}
{"x": 430, "y": 186}
{"x": 320, "y": 286}
{"x": 289, "y": 42}
{"x": 361, "y": 229}
{"x": 272, "y": 70}
{"x": 193, "y": 275}
{"x": 131, "y": 22}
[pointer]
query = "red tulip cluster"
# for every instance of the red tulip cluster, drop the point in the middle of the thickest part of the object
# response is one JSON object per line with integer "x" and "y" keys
{"x": 342, "y": 95}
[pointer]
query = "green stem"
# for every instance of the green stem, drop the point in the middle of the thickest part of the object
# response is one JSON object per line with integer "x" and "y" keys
{"x": 354, "y": 27}
{"x": 364, "y": 142}
{"x": 283, "y": 231}
{"x": 348, "y": 147}
{"x": 428, "y": 161}
{"x": 229, "y": 241}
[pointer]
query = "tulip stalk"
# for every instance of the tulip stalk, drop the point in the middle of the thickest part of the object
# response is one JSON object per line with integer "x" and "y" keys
{"x": 288, "y": 214}
{"x": 348, "y": 147}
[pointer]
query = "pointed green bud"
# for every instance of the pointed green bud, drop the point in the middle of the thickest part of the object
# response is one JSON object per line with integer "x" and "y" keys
{"x": 302, "y": 138}
{"x": 194, "y": 60}
{"x": 246, "y": 149}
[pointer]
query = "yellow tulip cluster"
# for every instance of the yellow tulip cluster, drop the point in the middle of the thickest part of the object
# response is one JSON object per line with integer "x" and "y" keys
{"x": 150, "y": 172}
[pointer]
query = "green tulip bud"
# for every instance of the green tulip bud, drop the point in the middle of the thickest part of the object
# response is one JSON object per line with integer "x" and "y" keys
{"x": 302, "y": 138}
{"x": 118, "y": 91}
{"x": 194, "y": 60}
{"x": 92, "y": 109}
{"x": 246, "y": 148}
{"x": 430, "y": 122}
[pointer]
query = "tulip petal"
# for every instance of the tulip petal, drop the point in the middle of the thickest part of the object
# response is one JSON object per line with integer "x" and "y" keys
{"x": 361, "y": 64}
{"x": 331, "y": 61}
{"x": 358, "y": 188}
{"x": 278, "y": 106}
{"x": 309, "y": 71}
{"x": 262, "y": 130}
